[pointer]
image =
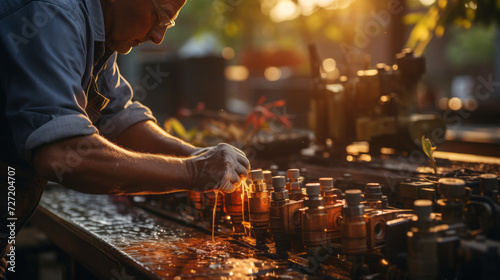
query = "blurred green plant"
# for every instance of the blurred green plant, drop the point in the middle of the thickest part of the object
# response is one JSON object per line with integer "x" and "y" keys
{"x": 429, "y": 151}
{"x": 472, "y": 48}
{"x": 445, "y": 13}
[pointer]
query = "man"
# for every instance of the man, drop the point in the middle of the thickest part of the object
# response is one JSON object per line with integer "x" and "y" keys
{"x": 66, "y": 113}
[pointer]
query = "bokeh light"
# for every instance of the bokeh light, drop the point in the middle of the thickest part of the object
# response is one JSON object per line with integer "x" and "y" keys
{"x": 227, "y": 53}
{"x": 284, "y": 10}
{"x": 236, "y": 73}
{"x": 272, "y": 73}
{"x": 329, "y": 64}
{"x": 455, "y": 104}
{"x": 427, "y": 2}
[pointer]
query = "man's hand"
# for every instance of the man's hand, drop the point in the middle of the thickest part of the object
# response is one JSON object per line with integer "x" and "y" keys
{"x": 219, "y": 168}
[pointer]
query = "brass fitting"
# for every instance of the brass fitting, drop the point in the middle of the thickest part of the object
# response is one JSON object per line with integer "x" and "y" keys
{"x": 313, "y": 220}
{"x": 451, "y": 207}
{"x": 422, "y": 243}
{"x": 277, "y": 215}
{"x": 353, "y": 224}
{"x": 489, "y": 186}
{"x": 374, "y": 197}
{"x": 294, "y": 186}
{"x": 233, "y": 207}
{"x": 259, "y": 207}
{"x": 326, "y": 184}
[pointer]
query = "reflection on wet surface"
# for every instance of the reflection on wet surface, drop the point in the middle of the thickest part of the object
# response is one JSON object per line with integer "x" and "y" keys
{"x": 163, "y": 247}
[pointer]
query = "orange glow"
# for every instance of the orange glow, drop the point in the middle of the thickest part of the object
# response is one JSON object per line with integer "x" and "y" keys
{"x": 236, "y": 73}
{"x": 471, "y": 5}
{"x": 384, "y": 98}
{"x": 427, "y": 2}
{"x": 455, "y": 104}
{"x": 388, "y": 151}
{"x": 329, "y": 64}
{"x": 352, "y": 149}
{"x": 227, "y": 53}
{"x": 284, "y": 10}
{"x": 365, "y": 157}
{"x": 371, "y": 72}
{"x": 272, "y": 74}
{"x": 307, "y": 7}
{"x": 324, "y": 3}
{"x": 439, "y": 31}
{"x": 213, "y": 217}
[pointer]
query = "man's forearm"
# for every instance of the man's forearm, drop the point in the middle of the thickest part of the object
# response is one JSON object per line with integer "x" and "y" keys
{"x": 91, "y": 164}
{"x": 148, "y": 137}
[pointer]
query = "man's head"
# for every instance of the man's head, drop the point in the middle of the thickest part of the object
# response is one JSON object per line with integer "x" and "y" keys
{"x": 129, "y": 23}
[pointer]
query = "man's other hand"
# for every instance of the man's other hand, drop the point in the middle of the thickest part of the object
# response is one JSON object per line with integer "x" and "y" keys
{"x": 217, "y": 168}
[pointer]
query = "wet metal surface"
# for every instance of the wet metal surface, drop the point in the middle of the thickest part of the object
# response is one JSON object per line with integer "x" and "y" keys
{"x": 161, "y": 247}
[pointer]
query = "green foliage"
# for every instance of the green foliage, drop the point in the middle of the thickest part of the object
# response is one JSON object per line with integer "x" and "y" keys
{"x": 445, "y": 13}
{"x": 429, "y": 151}
{"x": 472, "y": 47}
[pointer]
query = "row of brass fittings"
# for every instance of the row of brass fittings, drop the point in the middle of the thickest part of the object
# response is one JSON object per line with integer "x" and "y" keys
{"x": 318, "y": 218}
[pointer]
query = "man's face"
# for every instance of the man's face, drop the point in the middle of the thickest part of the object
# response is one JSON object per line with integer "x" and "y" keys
{"x": 129, "y": 23}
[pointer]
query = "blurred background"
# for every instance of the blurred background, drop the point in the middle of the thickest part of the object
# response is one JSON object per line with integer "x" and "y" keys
{"x": 223, "y": 55}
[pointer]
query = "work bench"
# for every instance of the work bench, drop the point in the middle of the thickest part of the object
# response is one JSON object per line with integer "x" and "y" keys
{"x": 116, "y": 240}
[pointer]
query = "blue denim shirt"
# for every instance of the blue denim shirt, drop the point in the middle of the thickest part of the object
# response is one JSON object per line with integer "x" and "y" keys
{"x": 46, "y": 68}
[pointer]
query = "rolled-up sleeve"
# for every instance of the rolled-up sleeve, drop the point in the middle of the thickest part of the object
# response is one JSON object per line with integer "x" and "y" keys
{"x": 42, "y": 75}
{"x": 121, "y": 112}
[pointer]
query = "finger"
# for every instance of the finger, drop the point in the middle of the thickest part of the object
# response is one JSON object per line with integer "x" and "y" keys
{"x": 240, "y": 170}
{"x": 206, "y": 187}
{"x": 226, "y": 186}
{"x": 200, "y": 151}
{"x": 235, "y": 177}
{"x": 243, "y": 161}
{"x": 3, "y": 263}
{"x": 239, "y": 151}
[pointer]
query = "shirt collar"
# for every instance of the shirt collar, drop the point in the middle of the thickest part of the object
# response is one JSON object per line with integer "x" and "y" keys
{"x": 96, "y": 19}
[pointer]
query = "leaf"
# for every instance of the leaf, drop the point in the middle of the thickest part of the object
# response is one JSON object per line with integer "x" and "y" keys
{"x": 175, "y": 125}
{"x": 285, "y": 121}
{"x": 277, "y": 103}
{"x": 412, "y": 18}
{"x": 191, "y": 134}
{"x": 426, "y": 146}
{"x": 261, "y": 100}
{"x": 252, "y": 120}
{"x": 429, "y": 150}
{"x": 262, "y": 121}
